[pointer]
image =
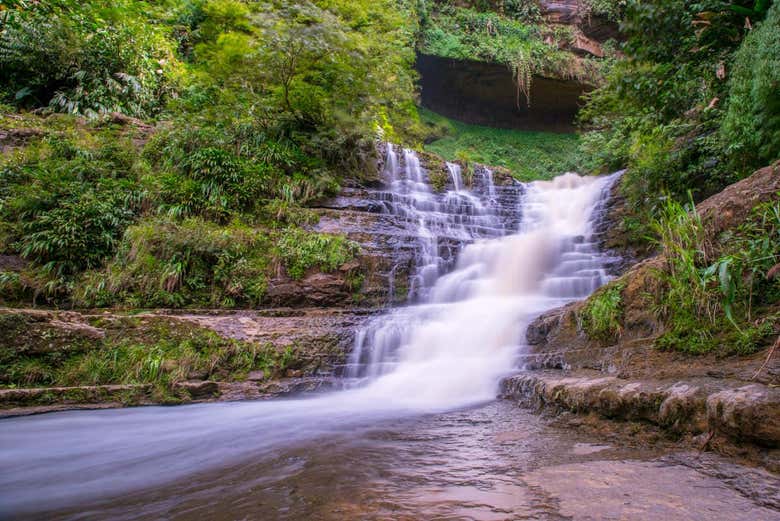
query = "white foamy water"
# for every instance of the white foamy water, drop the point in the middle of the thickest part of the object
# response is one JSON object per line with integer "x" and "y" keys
{"x": 454, "y": 348}
{"x": 446, "y": 352}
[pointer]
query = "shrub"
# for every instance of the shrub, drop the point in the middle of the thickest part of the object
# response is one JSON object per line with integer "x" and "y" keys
{"x": 213, "y": 183}
{"x": 76, "y": 235}
{"x": 751, "y": 127}
{"x": 712, "y": 290}
{"x": 87, "y": 59}
{"x": 170, "y": 264}
{"x": 64, "y": 203}
{"x": 300, "y": 250}
{"x": 601, "y": 316}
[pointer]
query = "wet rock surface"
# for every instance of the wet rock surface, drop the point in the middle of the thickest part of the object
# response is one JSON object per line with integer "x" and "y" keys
{"x": 404, "y": 226}
{"x": 651, "y": 491}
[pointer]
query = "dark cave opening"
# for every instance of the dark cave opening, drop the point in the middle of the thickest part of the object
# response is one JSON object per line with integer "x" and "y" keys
{"x": 484, "y": 94}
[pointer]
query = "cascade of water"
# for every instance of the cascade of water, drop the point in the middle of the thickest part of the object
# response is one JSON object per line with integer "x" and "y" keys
{"x": 490, "y": 184}
{"x": 442, "y": 222}
{"x": 466, "y": 331}
{"x": 455, "y": 175}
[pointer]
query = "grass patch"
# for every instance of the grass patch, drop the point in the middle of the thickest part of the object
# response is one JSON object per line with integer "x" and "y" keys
{"x": 601, "y": 316}
{"x": 718, "y": 291}
{"x": 156, "y": 351}
{"x": 528, "y": 155}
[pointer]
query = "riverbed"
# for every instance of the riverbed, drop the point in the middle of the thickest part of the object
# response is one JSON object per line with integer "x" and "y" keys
{"x": 492, "y": 461}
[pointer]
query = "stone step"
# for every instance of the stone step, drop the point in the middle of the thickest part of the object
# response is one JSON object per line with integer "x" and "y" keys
{"x": 737, "y": 409}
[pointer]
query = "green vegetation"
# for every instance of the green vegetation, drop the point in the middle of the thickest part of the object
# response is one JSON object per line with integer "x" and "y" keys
{"x": 87, "y": 57}
{"x": 694, "y": 107}
{"x": 718, "y": 294}
{"x": 751, "y": 125}
{"x": 165, "y": 153}
{"x": 613, "y": 10}
{"x": 203, "y": 233}
{"x": 261, "y": 109}
{"x": 528, "y": 155}
{"x": 156, "y": 351}
{"x": 299, "y": 251}
{"x": 601, "y": 316}
{"x": 168, "y": 264}
{"x": 676, "y": 112}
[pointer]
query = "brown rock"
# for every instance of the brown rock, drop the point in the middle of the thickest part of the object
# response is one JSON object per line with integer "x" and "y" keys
{"x": 197, "y": 375}
{"x": 751, "y": 412}
{"x": 198, "y": 390}
{"x": 256, "y": 376}
{"x": 734, "y": 204}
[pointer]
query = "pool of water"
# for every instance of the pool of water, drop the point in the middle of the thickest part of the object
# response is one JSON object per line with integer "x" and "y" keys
{"x": 489, "y": 462}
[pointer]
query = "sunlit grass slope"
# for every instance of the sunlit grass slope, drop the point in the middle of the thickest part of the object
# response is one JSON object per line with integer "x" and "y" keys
{"x": 529, "y": 155}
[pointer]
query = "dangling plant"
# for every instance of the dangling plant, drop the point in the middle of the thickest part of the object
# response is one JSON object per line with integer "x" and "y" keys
{"x": 523, "y": 76}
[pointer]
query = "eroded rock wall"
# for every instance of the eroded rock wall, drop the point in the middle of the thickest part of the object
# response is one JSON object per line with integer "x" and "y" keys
{"x": 484, "y": 94}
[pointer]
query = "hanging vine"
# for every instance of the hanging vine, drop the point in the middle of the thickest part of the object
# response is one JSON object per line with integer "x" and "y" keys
{"x": 522, "y": 75}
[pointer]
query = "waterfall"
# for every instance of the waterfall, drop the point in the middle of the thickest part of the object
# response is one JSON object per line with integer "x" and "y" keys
{"x": 442, "y": 223}
{"x": 447, "y": 350}
{"x": 468, "y": 328}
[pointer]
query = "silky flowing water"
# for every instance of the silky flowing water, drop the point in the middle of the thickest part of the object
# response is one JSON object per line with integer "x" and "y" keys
{"x": 416, "y": 434}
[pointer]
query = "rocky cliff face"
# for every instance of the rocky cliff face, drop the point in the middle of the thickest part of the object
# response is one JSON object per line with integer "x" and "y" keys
{"x": 591, "y": 30}
{"x": 485, "y": 93}
{"x": 389, "y": 237}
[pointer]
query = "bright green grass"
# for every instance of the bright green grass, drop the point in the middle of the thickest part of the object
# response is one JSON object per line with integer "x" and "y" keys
{"x": 528, "y": 155}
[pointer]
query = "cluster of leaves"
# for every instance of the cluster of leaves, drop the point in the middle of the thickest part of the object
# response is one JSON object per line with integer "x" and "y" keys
{"x": 300, "y": 250}
{"x": 612, "y": 10}
{"x": 134, "y": 351}
{"x": 525, "y": 47}
{"x": 86, "y": 58}
{"x": 713, "y": 292}
{"x": 689, "y": 109}
{"x": 751, "y": 126}
{"x": 65, "y": 202}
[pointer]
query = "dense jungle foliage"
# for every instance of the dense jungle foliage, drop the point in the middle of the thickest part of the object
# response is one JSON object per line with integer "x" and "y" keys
{"x": 694, "y": 104}
{"x": 245, "y": 112}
